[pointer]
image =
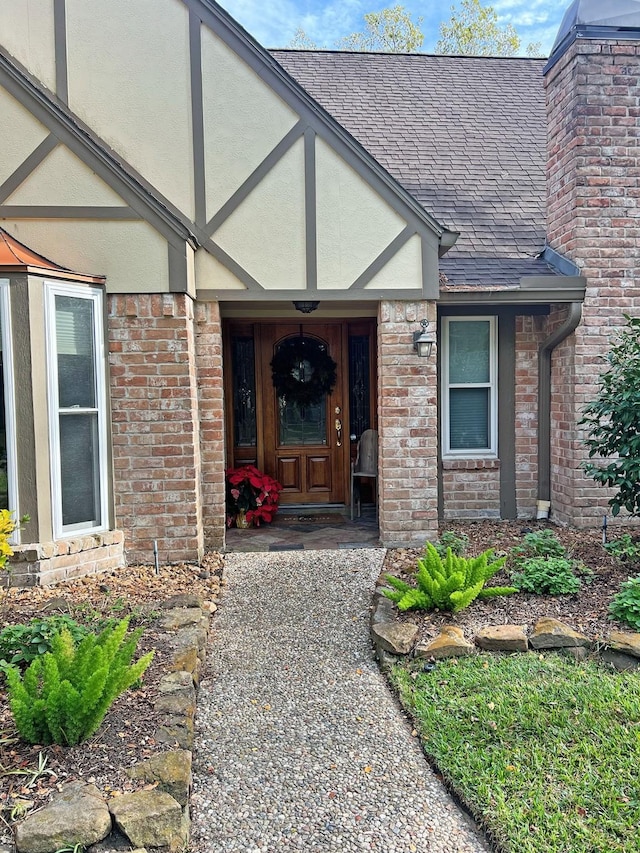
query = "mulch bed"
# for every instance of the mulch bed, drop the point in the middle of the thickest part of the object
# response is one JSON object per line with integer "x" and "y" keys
{"x": 585, "y": 611}
{"x": 127, "y": 734}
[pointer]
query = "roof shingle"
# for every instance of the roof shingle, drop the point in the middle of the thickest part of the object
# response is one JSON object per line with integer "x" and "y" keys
{"x": 466, "y": 136}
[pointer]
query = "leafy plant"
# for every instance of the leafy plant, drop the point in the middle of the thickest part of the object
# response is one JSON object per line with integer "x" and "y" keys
{"x": 65, "y": 694}
{"x": 613, "y": 425}
{"x": 550, "y": 575}
{"x": 626, "y": 548}
{"x": 21, "y": 644}
{"x": 625, "y": 606}
{"x": 458, "y": 542}
{"x": 538, "y": 543}
{"x": 449, "y": 584}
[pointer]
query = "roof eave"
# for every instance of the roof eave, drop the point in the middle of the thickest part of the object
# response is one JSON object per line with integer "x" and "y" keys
{"x": 533, "y": 290}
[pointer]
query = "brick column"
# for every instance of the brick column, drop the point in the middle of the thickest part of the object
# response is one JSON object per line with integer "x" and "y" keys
{"x": 155, "y": 425}
{"x": 408, "y": 431}
{"x": 593, "y": 179}
{"x": 211, "y": 392}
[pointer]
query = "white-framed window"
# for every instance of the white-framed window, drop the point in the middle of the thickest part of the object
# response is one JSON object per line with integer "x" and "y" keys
{"x": 8, "y": 436}
{"x": 469, "y": 387}
{"x": 77, "y": 408}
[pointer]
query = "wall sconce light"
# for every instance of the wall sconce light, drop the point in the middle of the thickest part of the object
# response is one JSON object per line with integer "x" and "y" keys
{"x": 423, "y": 341}
{"x": 306, "y": 307}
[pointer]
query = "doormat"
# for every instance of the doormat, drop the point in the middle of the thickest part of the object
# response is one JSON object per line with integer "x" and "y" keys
{"x": 311, "y": 518}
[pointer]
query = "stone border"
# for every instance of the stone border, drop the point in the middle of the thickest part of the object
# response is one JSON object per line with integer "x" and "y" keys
{"x": 394, "y": 639}
{"x": 159, "y": 816}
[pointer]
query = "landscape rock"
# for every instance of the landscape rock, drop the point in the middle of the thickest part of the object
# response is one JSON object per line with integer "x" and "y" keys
{"x": 177, "y": 703}
{"x": 176, "y": 731}
{"x": 180, "y": 617}
{"x": 77, "y": 815}
{"x": 382, "y": 610}
{"x": 395, "y": 637}
{"x": 183, "y": 599}
{"x": 503, "y": 638}
{"x": 549, "y": 633}
{"x": 172, "y": 770}
{"x": 150, "y": 819}
{"x": 619, "y": 660}
{"x": 624, "y": 641}
{"x": 450, "y": 643}
{"x": 179, "y": 681}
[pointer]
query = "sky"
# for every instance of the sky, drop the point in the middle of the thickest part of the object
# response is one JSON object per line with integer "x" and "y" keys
{"x": 274, "y": 22}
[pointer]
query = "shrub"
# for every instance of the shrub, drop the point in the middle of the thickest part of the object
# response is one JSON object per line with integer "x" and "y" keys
{"x": 64, "y": 695}
{"x": 611, "y": 421}
{"x": 21, "y": 644}
{"x": 458, "y": 542}
{"x": 625, "y": 606}
{"x": 539, "y": 543}
{"x": 551, "y": 575}
{"x": 626, "y": 548}
{"x": 449, "y": 584}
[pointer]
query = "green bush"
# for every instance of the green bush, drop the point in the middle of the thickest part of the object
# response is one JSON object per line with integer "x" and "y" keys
{"x": 64, "y": 695}
{"x": 458, "y": 542}
{"x": 538, "y": 543}
{"x": 21, "y": 644}
{"x": 449, "y": 584}
{"x": 625, "y": 606}
{"x": 550, "y": 575}
{"x": 625, "y": 549}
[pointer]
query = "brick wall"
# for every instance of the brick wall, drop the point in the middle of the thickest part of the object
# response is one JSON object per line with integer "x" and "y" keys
{"x": 593, "y": 96}
{"x": 211, "y": 399}
{"x": 471, "y": 488}
{"x": 408, "y": 430}
{"x": 154, "y": 402}
{"x": 530, "y": 332}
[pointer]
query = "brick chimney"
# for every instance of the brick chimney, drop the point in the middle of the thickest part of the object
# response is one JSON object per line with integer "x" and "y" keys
{"x": 592, "y": 81}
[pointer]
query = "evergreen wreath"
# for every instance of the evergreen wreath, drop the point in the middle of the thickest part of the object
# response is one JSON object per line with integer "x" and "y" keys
{"x": 285, "y": 367}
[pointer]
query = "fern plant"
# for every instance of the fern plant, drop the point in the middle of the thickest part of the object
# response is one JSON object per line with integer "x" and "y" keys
{"x": 451, "y": 583}
{"x": 65, "y": 694}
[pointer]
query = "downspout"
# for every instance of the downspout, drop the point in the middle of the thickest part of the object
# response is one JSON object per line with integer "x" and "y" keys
{"x": 544, "y": 405}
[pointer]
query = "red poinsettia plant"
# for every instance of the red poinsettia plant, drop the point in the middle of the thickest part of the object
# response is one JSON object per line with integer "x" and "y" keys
{"x": 250, "y": 492}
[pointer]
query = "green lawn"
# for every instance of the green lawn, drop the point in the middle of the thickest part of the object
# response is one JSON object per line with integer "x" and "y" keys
{"x": 544, "y": 751}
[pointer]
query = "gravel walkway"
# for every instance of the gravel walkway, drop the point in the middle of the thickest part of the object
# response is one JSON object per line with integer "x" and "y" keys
{"x": 299, "y": 744}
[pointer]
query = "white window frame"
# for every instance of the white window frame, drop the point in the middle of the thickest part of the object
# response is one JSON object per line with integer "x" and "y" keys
{"x": 96, "y": 295}
{"x": 9, "y": 404}
{"x": 490, "y": 452}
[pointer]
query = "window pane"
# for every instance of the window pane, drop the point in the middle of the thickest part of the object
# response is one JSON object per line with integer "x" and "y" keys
{"x": 469, "y": 347}
{"x": 76, "y": 358}
{"x": 79, "y": 469}
{"x": 244, "y": 391}
{"x": 302, "y": 425}
{"x": 469, "y": 419}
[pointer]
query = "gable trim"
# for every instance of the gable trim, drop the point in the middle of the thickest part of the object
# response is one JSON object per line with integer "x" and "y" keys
{"x": 59, "y": 211}
{"x": 60, "y": 49}
{"x": 327, "y": 128}
{"x": 68, "y": 131}
{"x": 37, "y": 156}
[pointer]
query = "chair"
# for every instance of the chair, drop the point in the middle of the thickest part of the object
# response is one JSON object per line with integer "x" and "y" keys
{"x": 365, "y": 465}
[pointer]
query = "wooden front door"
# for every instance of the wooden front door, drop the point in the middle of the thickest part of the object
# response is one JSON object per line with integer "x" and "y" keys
{"x": 305, "y": 443}
{"x": 306, "y": 447}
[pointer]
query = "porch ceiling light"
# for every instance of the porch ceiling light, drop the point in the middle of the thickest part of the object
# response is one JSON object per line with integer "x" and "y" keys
{"x": 423, "y": 340}
{"x": 306, "y": 307}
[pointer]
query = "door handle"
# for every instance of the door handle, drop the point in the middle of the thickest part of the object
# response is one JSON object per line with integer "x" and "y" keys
{"x": 338, "y": 432}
